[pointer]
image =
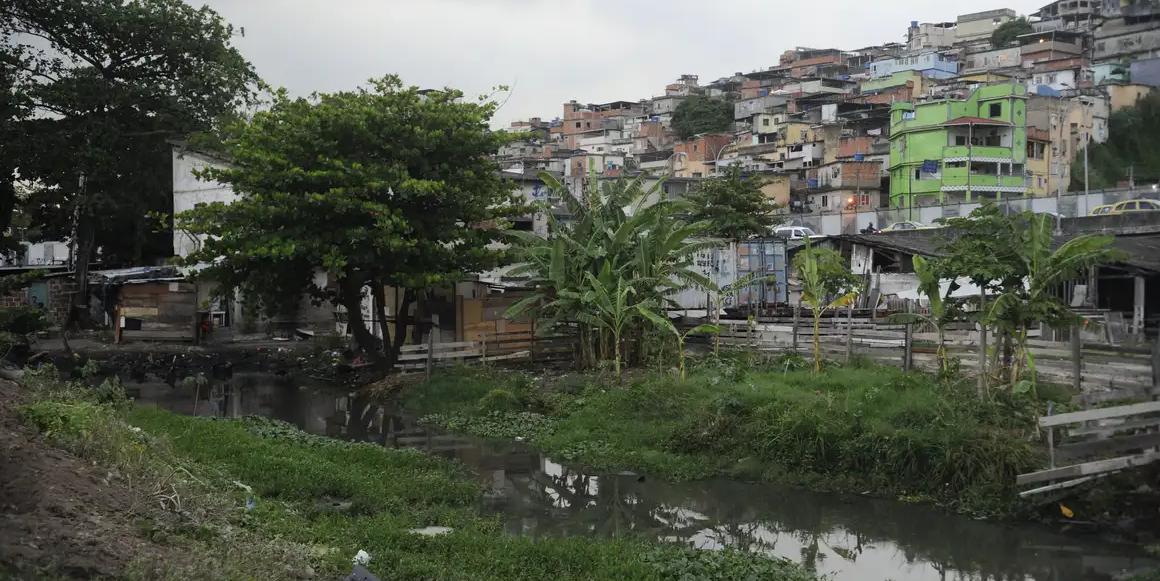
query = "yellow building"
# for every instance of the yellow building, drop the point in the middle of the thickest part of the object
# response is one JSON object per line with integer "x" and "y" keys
{"x": 1039, "y": 181}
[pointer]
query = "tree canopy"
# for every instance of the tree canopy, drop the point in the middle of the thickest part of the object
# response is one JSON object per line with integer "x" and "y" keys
{"x": 700, "y": 114}
{"x": 385, "y": 185}
{"x": 1130, "y": 144}
{"x": 733, "y": 206}
{"x": 102, "y": 85}
{"x": 1007, "y": 32}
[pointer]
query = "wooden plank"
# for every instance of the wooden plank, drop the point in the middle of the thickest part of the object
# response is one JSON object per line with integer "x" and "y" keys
{"x": 439, "y": 355}
{"x": 1059, "y": 485}
{"x": 438, "y": 347}
{"x": 1109, "y": 429}
{"x": 1118, "y": 394}
{"x": 1118, "y": 444}
{"x": 1088, "y": 468}
{"x": 1099, "y": 414}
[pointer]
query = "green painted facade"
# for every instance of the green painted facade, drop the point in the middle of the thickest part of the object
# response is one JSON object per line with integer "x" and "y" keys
{"x": 897, "y": 79}
{"x": 993, "y": 144}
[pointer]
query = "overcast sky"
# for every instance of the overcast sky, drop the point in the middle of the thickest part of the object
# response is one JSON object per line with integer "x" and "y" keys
{"x": 551, "y": 51}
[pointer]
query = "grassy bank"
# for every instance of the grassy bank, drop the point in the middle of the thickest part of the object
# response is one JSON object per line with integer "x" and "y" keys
{"x": 857, "y": 428}
{"x": 260, "y": 499}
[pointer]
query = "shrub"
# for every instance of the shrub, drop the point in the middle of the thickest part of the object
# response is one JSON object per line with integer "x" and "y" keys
{"x": 499, "y": 400}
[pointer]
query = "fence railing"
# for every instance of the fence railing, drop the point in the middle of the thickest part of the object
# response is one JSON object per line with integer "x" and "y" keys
{"x": 520, "y": 345}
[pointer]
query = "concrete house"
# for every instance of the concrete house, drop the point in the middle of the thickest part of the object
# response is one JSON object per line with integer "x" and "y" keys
{"x": 959, "y": 150}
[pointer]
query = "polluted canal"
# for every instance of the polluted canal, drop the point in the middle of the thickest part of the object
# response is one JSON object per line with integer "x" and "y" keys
{"x": 839, "y": 536}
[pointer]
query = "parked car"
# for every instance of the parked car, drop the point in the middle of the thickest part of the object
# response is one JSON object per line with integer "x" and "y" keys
{"x": 1101, "y": 210}
{"x": 1127, "y": 206}
{"x": 794, "y": 232}
{"x": 905, "y": 225}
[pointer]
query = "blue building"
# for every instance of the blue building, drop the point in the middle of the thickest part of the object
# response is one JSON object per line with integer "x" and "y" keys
{"x": 930, "y": 64}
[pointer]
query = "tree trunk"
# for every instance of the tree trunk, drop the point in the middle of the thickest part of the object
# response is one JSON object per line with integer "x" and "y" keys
{"x": 86, "y": 233}
{"x": 350, "y": 295}
{"x": 402, "y": 318}
{"x": 817, "y": 343}
{"x": 379, "y": 300}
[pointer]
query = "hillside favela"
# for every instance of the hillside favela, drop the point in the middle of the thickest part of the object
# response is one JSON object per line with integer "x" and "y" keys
{"x": 536, "y": 290}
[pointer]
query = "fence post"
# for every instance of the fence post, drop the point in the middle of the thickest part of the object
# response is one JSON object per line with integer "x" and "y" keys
{"x": 1076, "y": 361}
{"x": 906, "y": 355}
{"x": 850, "y": 332}
{"x": 1156, "y": 368}
{"x": 982, "y": 345}
{"x": 430, "y": 350}
{"x": 796, "y": 311}
{"x": 1051, "y": 436}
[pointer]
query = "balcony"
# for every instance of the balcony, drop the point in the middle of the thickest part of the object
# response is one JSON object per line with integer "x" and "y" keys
{"x": 955, "y": 179}
{"x": 978, "y": 152}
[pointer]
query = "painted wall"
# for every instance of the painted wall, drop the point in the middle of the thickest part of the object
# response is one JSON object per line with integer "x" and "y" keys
{"x": 931, "y": 64}
{"x": 189, "y": 191}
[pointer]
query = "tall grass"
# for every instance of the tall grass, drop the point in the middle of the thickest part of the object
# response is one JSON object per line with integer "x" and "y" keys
{"x": 291, "y": 505}
{"x": 859, "y": 427}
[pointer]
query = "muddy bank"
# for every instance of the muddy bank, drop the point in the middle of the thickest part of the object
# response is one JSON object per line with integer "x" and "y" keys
{"x": 60, "y": 514}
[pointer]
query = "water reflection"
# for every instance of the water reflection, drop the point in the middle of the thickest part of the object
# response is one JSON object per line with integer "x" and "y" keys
{"x": 844, "y": 537}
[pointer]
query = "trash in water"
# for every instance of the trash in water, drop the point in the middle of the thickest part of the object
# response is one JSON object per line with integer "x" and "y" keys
{"x": 361, "y": 558}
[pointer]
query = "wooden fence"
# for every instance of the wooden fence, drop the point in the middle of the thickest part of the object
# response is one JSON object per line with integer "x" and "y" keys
{"x": 1116, "y": 387}
{"x": 513, "y": 346}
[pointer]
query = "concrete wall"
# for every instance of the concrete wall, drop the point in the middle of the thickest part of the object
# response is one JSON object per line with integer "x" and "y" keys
{"x": 189, "y": 191}
{"x": 1068, "y": 206}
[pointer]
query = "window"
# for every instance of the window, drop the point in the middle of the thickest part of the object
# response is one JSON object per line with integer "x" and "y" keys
{"x": 694, "y": 147}
{"x": 960, "y": 140}
{"x": 577, "y": 125}
{"x": 825, "y": 201}
{"x": 918, "y": 174}
{"x": 765, "y": 122}
{"x": 996, "y": 109}
{"x": 588, "y": 124}
{"x": 907, "y": 115}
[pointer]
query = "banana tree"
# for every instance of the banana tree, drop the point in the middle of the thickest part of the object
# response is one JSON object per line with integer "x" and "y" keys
{"x": 929, "y": 279}
{"x": 1045, "y": 268}
{"x": 823, "y": 273}
{"x": 665, "y": 324}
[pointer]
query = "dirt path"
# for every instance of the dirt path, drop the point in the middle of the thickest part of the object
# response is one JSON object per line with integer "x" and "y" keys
{"x": 60, "y": 516}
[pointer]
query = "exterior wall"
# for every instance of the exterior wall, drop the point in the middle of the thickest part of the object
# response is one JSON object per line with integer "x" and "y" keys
{"x": 930, "y": 35}
{"x": 1056, "y": 80}
{"x": 980, "y": 25}
{"x": 1039, "y": 162}
{"x": 1122, "y": 41}
{"x": 1145, "y": 72}
{"x": 189, "y": 191}
{"x": 1124, "y": 96}
{"x": 776, "y": 188}
{"x": 931, "y": 64}
{"x": 57, "y": 291}
{"x": 750, "y": 107}
{"x": 992, "y": 59}
{"x": 1047, "y": 50}
{"x": 897, "y": 79}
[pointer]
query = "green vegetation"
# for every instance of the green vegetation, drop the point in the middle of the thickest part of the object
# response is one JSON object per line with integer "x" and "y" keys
{"x": 616, "y": 258}
{"x": 1009, "y": 32}
{"x": 734, "y": 206}
{"x": 827, "y": 283}
{"x": 412, "y": 210}
{"x": 1130, "y": 150}
{"x": 97, "y": 97}
{"x": 700, "y": 114}
{"x": 317, "y": 501}
{"x": 1015, "y": 257}
{"x": 854, "y": 428}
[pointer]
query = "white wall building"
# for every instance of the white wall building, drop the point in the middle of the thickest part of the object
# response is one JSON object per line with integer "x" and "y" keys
{"x": 189, "y": 191}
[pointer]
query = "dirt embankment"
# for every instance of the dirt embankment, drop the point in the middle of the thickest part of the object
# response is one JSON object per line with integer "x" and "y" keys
{"x": 60, "y": 516}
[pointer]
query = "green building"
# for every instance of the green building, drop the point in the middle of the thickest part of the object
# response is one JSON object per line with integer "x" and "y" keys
{"x": 955, "y": 150}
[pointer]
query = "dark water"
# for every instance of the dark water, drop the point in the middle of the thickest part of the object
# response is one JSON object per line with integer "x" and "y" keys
{"x": 844, "y": 537}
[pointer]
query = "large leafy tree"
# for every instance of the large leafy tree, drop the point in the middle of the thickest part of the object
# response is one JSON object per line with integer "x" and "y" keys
{"x": 1131, "y": 148}
{"x": 734, "y": 206}
{"x": 386, "y": 185}
{"x": 106, "y": 83}
{"x": 1009, "y": 31}
{"x": 701, "y": 114}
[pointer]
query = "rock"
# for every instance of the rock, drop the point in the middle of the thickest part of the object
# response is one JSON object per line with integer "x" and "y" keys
{"x": 431, "y": 531}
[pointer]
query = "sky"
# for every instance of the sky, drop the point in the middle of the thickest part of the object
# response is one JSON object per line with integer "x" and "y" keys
{"x": 551, "y": 51}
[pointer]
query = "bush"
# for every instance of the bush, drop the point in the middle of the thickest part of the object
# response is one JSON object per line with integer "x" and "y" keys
{"x": 499, "y": 400}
